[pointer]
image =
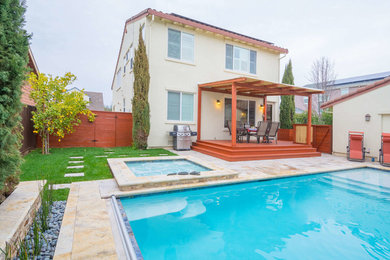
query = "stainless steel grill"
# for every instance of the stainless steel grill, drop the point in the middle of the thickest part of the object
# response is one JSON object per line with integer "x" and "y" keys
{"x": 182, "y": 137}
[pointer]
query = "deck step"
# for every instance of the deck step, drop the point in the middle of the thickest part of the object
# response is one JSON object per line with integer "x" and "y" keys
{"x": 255, "y": 150}
{"x": 252, "y": 151}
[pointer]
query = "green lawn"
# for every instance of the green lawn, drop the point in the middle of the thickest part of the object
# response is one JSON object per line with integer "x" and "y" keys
{"x": 61, "y": 194}
{"x": 53, "y": 166}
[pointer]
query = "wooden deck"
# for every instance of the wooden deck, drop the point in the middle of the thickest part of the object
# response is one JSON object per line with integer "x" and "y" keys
{"x": 223, "y": 149}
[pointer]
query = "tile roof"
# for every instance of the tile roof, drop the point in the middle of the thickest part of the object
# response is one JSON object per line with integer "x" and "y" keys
{"x": 207, "y": 27}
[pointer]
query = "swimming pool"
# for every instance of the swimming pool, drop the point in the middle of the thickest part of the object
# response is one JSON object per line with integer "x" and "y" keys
{"x": 339, "y": 215}
{"x": 164, "y": 167}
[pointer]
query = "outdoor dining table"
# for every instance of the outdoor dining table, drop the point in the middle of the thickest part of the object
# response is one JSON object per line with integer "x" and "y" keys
{"x": 250, "y": 131}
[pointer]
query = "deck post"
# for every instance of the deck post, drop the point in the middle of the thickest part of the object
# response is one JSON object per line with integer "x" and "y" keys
{"x": 199, "y": 112}
{"x": 308, "y": 135}
{"x": 265, "y": 108}
{"x": 234, "y": 113}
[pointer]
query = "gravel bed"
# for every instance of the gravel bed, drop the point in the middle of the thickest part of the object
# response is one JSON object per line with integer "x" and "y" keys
{"x": 51, "y": 234}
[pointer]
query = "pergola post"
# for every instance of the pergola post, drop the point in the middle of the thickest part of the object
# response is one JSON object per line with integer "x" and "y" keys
{"x": 234, "y": 114}
{"x": 308, "y": 135}
{"x": 265, "y": 108}
{"x": 199, "y": 112}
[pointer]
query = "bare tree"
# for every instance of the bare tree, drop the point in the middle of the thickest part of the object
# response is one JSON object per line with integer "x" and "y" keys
{"x": 322, "y": 75}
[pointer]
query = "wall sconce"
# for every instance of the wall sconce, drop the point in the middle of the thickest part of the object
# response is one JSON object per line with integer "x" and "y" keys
{"x": 261, "y": 108}
{"x": 368, "y": 117}
{"x": 218, "y": 102}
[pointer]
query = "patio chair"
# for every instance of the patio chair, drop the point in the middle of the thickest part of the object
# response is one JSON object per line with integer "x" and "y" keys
{"x": 240, "y": 131}
{"x": 355, "y": 149}
{"x": 262, "y": 130}
{"x": 384, "y": 152}
{"x": 273, "y": 132}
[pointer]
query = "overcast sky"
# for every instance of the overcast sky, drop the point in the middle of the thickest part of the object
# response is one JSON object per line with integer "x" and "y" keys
{"x": 83, "y": 36}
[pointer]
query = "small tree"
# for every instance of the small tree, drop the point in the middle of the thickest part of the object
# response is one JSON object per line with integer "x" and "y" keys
{"x": 322, "y": 75}
{"x": 57, "y": 110}
{"x": 287, "y": 105}
{"x": 140, "y": 103}
{"x": 13, "y": 69}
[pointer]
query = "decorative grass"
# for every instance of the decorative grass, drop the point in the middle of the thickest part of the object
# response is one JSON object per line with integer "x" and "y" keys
{"x": 38, "y": 167}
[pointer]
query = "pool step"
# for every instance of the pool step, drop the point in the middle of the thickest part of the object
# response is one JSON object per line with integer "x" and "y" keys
{"x": 360, "y": 189}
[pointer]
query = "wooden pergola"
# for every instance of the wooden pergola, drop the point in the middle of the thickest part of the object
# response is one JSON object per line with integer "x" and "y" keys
{"x": 250, "y": 87}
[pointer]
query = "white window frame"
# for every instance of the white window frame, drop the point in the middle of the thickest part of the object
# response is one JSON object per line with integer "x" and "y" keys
{"x": 181, "y": 49}
{"x": 249, "y": 60}
{"x": 180, "y": 106}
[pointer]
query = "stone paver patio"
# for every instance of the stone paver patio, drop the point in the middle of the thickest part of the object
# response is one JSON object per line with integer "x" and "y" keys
{"x": 88, "y": 232}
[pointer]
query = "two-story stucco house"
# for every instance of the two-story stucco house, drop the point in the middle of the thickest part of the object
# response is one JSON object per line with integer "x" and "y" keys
{"x": 183, "y": 53}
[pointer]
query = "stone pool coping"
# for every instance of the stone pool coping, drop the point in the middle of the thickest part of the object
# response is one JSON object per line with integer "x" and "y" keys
{"x": 127, "y": 181}
{"x": 80, "y": 230}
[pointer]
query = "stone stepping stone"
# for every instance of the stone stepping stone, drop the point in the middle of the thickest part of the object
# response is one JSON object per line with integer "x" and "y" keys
{"x": 76, "y": 161}
{"x": 76, "y": 157}
{"x": 78, "y": 174}
{"x": 75, "y": 167}
{"x": 61, "y": 186}
{"x": 144, "y": 154}
{"x": 99, "y": 156}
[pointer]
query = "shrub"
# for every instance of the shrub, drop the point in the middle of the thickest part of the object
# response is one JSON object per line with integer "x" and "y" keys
{"x": 13, "y": 68}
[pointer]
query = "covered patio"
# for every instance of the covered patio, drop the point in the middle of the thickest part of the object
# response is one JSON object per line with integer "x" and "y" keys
{"x": 231, "y": 150}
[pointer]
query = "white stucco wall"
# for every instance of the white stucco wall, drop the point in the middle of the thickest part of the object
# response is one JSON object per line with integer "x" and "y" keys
{"x": 209, "y": 65}
{"x": 125, "y": 89}
{"x": 350, "y": 116}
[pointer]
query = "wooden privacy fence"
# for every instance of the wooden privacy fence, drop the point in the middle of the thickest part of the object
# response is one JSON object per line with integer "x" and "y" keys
{"x": 29, "y": 138}
{"x": 110, "y": 129}
{"x": 321, "y": 136}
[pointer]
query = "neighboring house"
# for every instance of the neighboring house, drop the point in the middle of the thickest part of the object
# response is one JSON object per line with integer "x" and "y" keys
{"x": 95, "y": 99}
{"x": 29, "y": 138}
{"x": 183, "y": 53}
{"x": 366, "y": 110}
{"x": 339, "y": 88}
{"x": 26, "y": 88}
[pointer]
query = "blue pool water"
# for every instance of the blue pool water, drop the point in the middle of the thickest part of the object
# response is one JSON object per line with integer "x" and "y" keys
{"x": 163, "y": 167}
{"x": 339, "y": 215}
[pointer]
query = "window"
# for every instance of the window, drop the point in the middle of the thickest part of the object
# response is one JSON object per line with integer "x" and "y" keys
{"x": 131, "y": 57}
{"x": 245, "y": 111}
{"x": 180, "y": 45}
{"x": 269, "y": 113}
{"x": 180, "y": 106}
{"x": 240, "y": 59}
{"x": 344, "y": 91}
{"x": 124, "y": 105}
{"x": 305, "y": 100}
{"x": 118, "y": 78}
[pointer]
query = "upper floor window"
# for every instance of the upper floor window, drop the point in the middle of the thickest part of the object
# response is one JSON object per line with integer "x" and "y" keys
{"x": 118, "y": 77}
{"x": 240, "y": 59}
{"x": 131, "y": 57}
{"x": 180, "y": 106}
{"x": 180, "y": 45}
